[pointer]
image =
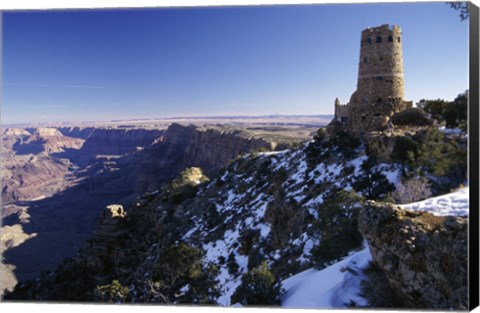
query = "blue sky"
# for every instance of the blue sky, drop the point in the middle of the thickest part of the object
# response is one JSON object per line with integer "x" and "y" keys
{"x": 112, "y": 64}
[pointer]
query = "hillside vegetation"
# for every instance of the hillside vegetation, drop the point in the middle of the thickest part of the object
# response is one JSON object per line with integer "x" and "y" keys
{"x": 234, "y": 237}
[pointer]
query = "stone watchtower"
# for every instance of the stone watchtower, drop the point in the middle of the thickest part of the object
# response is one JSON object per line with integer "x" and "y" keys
{"x": 380, "y": 88}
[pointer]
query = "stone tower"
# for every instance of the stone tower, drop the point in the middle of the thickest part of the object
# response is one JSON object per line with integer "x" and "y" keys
{"x": 380, "y": 88}
{"x": 380, "y": 70}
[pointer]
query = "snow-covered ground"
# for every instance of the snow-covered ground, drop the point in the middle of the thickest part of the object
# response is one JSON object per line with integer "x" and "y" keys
{"x": 335, "y": 287}
{"x": 332, "y": 287}
{"x": 455, "y": 203}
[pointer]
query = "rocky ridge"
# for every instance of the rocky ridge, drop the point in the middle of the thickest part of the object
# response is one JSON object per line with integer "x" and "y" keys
{"x": 423, "y": 256}
{"x": 89, "y": 180}
{"x": 262, "y": 207}
{"x": 263, "y": 210}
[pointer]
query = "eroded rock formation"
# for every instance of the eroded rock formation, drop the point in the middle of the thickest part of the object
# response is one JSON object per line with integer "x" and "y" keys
{"x": 108, "y": 235}
{"x": 424, "y": 257}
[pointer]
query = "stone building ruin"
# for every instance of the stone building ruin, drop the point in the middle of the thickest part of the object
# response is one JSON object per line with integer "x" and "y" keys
{"x": 380, "y": 86}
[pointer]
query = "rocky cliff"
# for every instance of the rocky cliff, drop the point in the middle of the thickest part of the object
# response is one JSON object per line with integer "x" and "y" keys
{"x": 148, "y": 159}
{"x": 110, "y": 142}
{"x": 77, "y": 132}
{"x": 45, "y": 140}
{"x": 208, "y": 149}
{"x": 198, "y": 240}
{"x": 423, "y": 256}
{"x": 27, "y": 165}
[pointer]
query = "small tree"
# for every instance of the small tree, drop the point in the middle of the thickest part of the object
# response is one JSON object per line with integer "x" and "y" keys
{"x": 372, "y": 183}
{"x": 180, "y": 265}
{"x": 337, "y": 226}
{"x": 456, "y": 115}
{"x": 258, "y": 287}
{"x": 436, "y": 109}
{"x": 411, "y": 190}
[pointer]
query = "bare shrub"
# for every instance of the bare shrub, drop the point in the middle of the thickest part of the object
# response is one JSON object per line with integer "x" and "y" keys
{"x": 412, "y": 190}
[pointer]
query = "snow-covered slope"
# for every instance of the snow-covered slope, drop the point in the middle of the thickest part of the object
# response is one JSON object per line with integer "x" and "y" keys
{"x": 455, "y": 203}
{"x": 264, "y": 208}
{"x": 335, "y": 286}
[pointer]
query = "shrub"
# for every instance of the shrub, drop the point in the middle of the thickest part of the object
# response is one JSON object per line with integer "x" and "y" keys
{"x": 180, "y": 265}
{"x": 430, "y": 153}
{"x": 411, "y": 117}
{"x": 436, "y": 109}
{"x": 456, "y": 115}
{"x": 371, "y": 182}
{"x": 112, "y": 293}
{"x": 405, "y": 149}
{"x": 341, "y": 146}
{"x": 232, "y": 265}
{"x": 412, "y": 190}
{"x": 453, "y": 114}
{"x": 337, "y": 226}
{"x": 258, "y": 287}
{"x": 347, "y": 144}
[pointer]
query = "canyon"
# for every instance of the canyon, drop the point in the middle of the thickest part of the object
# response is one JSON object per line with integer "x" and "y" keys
{"x": 57, "y": 180}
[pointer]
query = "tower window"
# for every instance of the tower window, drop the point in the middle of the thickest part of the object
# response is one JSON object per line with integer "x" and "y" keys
{"x": 398, "y": 39}
{"x": 390, "y": 39}
{"x": 365, "y": 60}
{"x": 369, "y": 40}
{"x": 379, "y": 39}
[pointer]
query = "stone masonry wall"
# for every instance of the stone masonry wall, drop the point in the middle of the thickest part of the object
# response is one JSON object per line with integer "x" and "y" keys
{"x": 380, "y": 85}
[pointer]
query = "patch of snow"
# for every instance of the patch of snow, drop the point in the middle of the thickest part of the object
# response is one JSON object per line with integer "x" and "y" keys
{"x": 313, "y": 212}
{"x": 264, "y": 230}
{"x": 332, "y": 287}
{"x": 299, "y": 175}
{"x": 185, "y": 288}
{"x": 224, "y": 176}
{"x": 231, "y": 196}
{"x": 455, "y": 203}
{"x": 357, "y": 163}
{"x": 314, "y": 201}
{"x": 276, "y": 256}
{"x": 452, "y": 131}
{"x": 231, "y": 236}
{"x": 392, "y": 173}
{"x": 307, "y": 248}
{"x": 273, "y": 152}
{"x": 335, "y": 169}
{"x": 189, "y": 233}
{"x": 242, "y": 261}
{"x": 229, "y": 286}
{"x": 281, "y": 164}
{"x": 260, "y": 212}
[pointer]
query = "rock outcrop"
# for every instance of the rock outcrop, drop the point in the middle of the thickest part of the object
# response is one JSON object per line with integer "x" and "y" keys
{"x": 108, "y": 235}
{"x": 209, "y": 149}
{"x": 381, "y": 145}
{"x": 423, "y": 256}
{"x": 181, "y": 147}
